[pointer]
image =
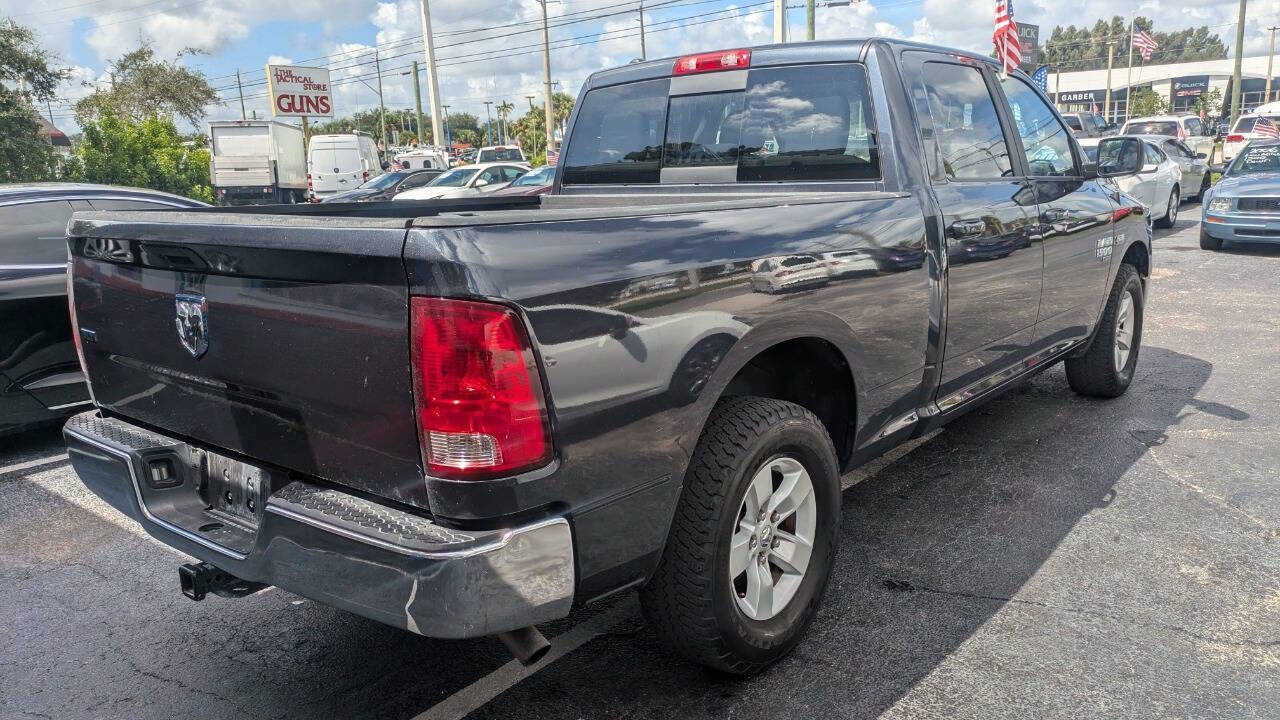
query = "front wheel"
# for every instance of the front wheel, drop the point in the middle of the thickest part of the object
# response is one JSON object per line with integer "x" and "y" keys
{"x": 1106, "y": 368}
{"x": 1209, "y": 242}
{"x": 753, "y": 538}
{"x": 1204, "y": 187}
{"x": 1171, "y": 211}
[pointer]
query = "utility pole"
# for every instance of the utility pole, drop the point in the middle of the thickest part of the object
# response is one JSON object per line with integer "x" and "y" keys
{"x": 1271, "y": 56}
{"x": 488, "y": 123}
{"x": 779, "y": 21}
{"x": 382, "y": 107}
{"x": 1235, "y": 73}
{"x": 417, "y": 107}
{"x": 808, "y": 19}
{"x": 1111, "y": 56}
{"x": 241, "y": 89}
{"x": 531, "y": 97}
{"x": 433, "y": 87}
{"x": 546, "y": 73}
{"x": 642, "y": 53}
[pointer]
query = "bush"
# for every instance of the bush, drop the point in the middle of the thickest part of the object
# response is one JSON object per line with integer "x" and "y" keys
{"x": 148, "y": 154}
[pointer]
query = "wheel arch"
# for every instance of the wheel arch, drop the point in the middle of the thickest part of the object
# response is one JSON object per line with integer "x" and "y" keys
{"x": 805, "y": 360}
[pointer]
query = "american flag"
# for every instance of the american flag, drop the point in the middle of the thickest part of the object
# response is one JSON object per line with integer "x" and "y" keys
{"x": 1008, "y": 49}
{"x": 553, "y": 157}
{"x": 1145, "y": 43}
{"x": 1041, "y": 78}
{"x": 1267, "y": 129}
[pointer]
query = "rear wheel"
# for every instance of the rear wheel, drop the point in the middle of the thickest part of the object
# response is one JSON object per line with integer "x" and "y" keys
{"x": 1209, "y": 242}
{"x": 1171, "y": 211}
{"x": 1106, "y": 368}
{"x": 753, "y": 538}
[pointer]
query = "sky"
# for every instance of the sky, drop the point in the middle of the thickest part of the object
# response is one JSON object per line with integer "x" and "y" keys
{"x": 491, "y": 49}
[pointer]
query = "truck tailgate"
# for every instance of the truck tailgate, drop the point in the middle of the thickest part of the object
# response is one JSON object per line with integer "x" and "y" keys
{"x": 287, "y": 345}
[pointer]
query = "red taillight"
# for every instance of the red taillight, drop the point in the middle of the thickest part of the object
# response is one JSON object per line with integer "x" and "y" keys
{"x": 712, "y": 62}
{"x": 476, "y": 390}
{"x": 1235, "y": 138}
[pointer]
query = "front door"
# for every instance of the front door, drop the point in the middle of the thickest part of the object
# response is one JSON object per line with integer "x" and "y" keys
{"x": 1074, "y": 220}
{"x": 993, "y": 258}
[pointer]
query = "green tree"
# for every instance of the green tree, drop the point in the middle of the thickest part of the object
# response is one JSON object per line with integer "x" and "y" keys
{"x": 147, "y": 153}
{"x": 463, "y": 121}
{"x": 562, "y": 108}
{"x": 143, "y": 86}
{"x": 24, "y": 155}
{"x": 1208, "y": 104}
{"x": 531, "y": 131}
{"x": 1071, "y": 48}
{"x": 1147, "y": 102}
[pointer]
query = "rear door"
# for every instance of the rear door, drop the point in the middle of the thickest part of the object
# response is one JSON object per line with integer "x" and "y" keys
{"x": 994, "y": 259}
{"x": 1074, "y": 218}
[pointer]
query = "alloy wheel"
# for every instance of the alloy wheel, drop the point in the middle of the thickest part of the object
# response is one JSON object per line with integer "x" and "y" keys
{"x": 1124, "y": 331}
{"x": 773, "y": 538}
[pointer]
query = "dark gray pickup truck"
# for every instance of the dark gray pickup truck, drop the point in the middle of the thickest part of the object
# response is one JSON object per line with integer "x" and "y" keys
{"x": 757, "y": 269}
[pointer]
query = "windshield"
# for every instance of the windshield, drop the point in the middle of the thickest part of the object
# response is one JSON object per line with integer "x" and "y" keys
{"x": 1246, "y": 123}
{"x": 541, "y": 176}
{"x": 1256, "y": 159}
{"x": 454, "y": 178}
{"x": 382, "y": 182}
{"x": 1152, "y": 127}
{"x": 1072, "y": 122}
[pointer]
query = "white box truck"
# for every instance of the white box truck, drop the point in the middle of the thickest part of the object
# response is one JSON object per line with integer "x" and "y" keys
{"x": 257, "y": 162}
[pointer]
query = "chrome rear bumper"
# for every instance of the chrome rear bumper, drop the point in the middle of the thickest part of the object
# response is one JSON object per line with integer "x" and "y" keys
{"x": 341, "y": 549}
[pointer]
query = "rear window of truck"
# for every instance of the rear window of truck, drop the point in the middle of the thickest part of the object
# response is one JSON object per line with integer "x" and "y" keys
{"x": 789, "y": 124}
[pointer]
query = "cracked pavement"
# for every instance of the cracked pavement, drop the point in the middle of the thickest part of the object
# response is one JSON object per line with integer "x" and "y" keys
{"x": 1045, "y": 556}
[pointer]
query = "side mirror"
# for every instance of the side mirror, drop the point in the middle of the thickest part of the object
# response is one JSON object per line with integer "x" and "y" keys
{"x": 481, "y": 182}
{"x": 1118, "y": 156}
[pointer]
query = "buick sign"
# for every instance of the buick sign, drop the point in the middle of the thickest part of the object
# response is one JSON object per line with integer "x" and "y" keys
{"x": 193, "y": 323}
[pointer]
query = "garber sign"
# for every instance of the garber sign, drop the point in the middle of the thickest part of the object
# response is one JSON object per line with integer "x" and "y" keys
{"x": 299, "y": 91}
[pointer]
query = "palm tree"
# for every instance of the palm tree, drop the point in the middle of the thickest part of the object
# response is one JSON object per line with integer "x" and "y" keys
{"x": 504, "y": 109}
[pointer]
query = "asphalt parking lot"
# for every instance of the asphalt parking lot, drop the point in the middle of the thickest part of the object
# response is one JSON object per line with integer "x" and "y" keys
{"x": 1045, "y": 556}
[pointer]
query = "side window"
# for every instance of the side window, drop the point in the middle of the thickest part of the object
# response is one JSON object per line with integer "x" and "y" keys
{"x": 1173, "y": 148}
{"x": 415, "y": 180}
{"x": 491, "y": 176}
{"x": 34, "y": 233}
{"x": 617, "y": 137}
{"x": 809, "y": 122}
{"x": 703, "y": 130}
{"x": 1153, "y": 154}
{"x": 1194, "y": 127}
{"x": 1044, "y": 139}
{"x": 511, "y": 173}
{"x": 965, "y": 123}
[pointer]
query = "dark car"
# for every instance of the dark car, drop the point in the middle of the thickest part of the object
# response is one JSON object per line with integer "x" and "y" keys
{"x": 386, "y": 185}
{"x": 40, "y": 378}
{"x": 468, "y": 416}
{"x": 534, "y": 182}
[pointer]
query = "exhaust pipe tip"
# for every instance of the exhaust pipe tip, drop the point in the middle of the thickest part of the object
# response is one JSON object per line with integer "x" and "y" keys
{"x": 527, "y": 644}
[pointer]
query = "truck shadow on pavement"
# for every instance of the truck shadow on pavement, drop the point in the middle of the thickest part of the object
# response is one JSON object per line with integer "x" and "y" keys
{"x": 933, "y": 546}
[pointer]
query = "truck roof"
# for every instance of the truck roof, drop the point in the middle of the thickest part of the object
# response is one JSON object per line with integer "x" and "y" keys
{"x": 768, "y": 55}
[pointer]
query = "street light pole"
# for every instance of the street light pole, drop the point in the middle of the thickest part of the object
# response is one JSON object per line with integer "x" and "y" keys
{"x": 1235, "y": 73}
{"x": 546, "y": 73}
{"x": 433, "y": 87}
{"x": 448, "y": 139}
{"x": 642, "y": 53}
{"x": 488, "y": 123}
{"x": 1271, "y": 56}
{"x": 382, "y": 107}
{"x": 241, "y": 87}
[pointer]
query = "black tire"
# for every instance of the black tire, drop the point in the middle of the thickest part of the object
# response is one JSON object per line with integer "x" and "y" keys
{"x": 1204, "y": 187}
{"x": 1094, "y": 373}
{"x": 1171, "y": 214}
{"x": 690, "y": 601}
{"x": 1209, "y": 242}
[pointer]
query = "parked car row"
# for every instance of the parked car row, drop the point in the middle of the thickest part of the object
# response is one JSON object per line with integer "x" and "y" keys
{"x": 1169, "y": 171}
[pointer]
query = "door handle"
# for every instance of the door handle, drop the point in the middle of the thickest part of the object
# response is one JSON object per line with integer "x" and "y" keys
{"x": 1055, "y": 214}
{"x": 962, "y": 229}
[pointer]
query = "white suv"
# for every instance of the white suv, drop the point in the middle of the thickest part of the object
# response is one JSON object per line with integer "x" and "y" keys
{"x": 1242, "y": 132}
{"x": 1187, "y": 128}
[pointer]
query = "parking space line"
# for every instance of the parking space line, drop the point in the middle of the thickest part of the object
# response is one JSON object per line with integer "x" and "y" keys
{"x": 38, "y": 462}
{"x": 481, "y": 692}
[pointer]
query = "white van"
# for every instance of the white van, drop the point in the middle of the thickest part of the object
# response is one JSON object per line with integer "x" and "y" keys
{"x": 336, "y": 163}
{"x": 431, "y": 158}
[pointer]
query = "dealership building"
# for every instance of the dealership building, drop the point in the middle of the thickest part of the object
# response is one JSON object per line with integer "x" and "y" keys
{"x": 1179, "y": 83}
